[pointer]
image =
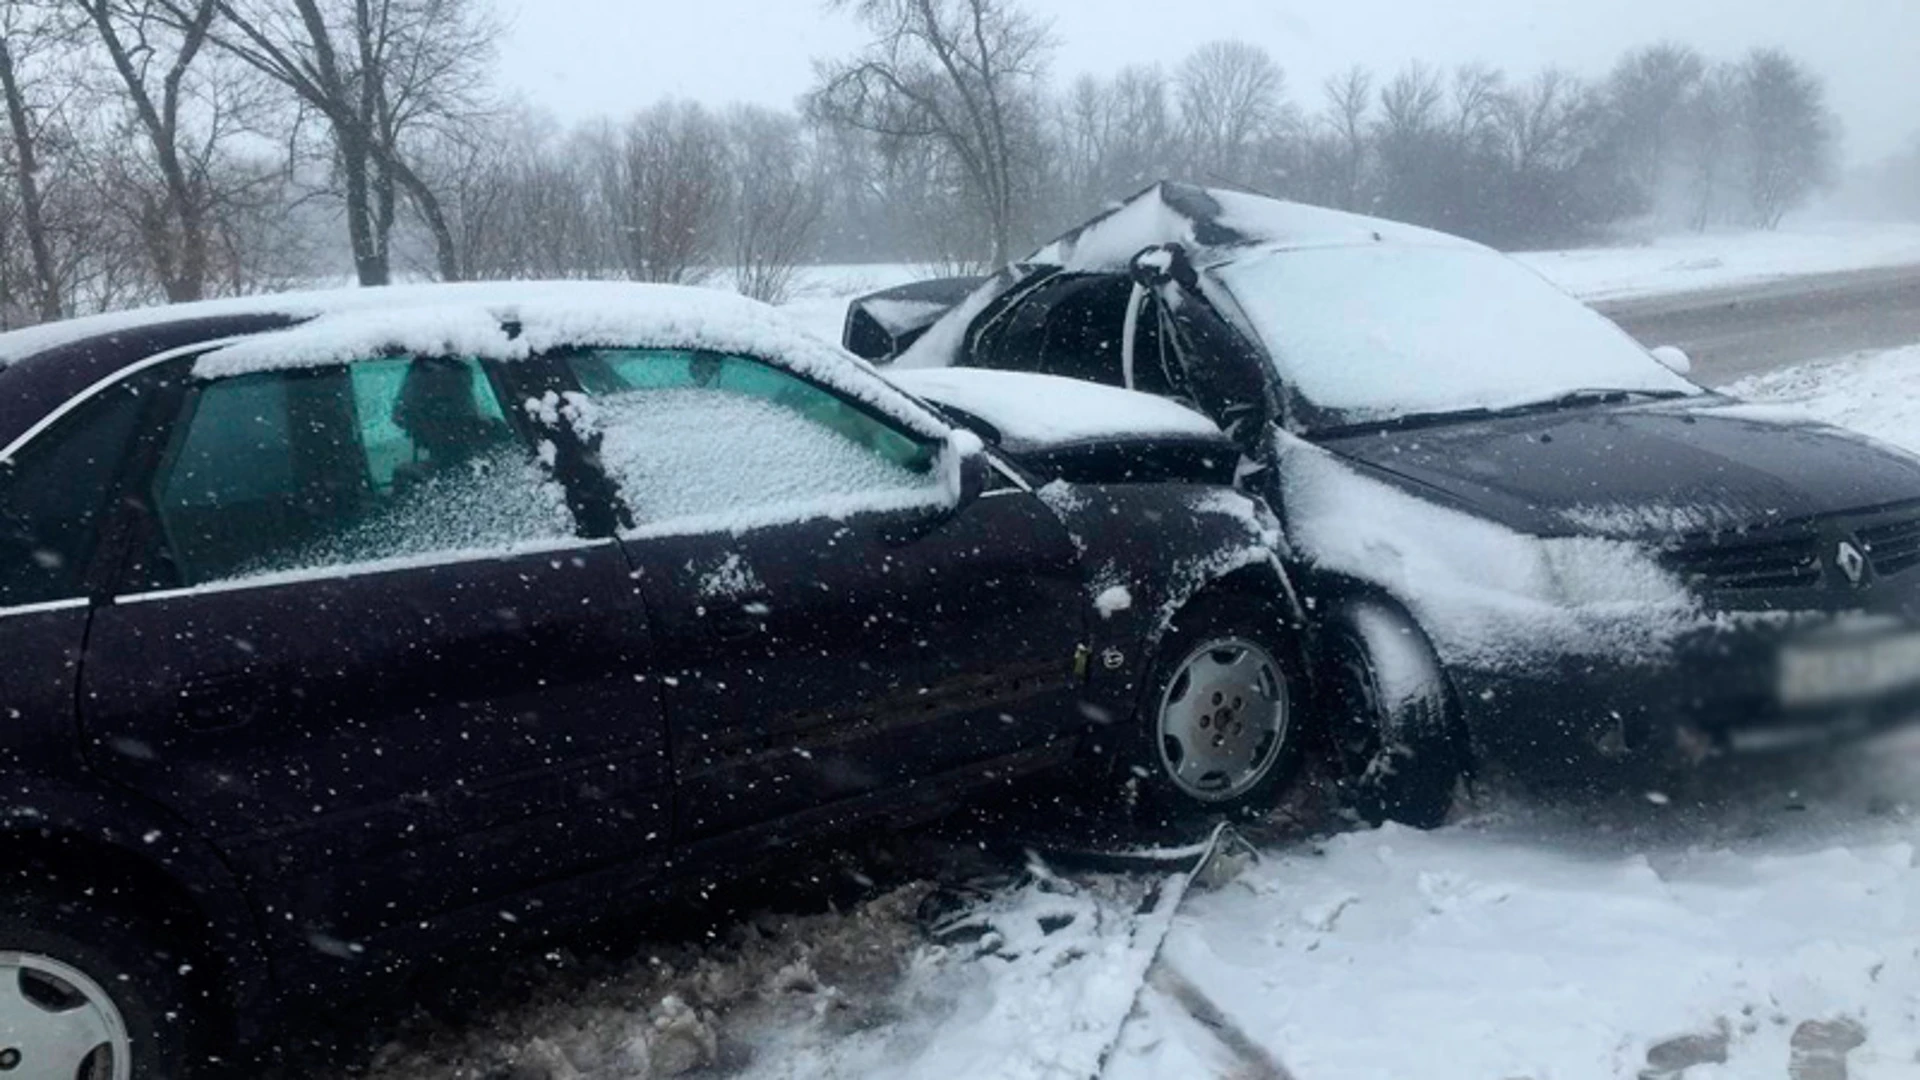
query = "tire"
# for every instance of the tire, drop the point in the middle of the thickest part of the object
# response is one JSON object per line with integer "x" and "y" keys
{"x": 1398, "y": 747}
{"x": 1219, "y": 728}
{"x": 83, "y": 984}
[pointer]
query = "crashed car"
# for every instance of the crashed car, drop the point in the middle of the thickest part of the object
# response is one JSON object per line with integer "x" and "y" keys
{"x": 1521, "y": 535}
{"x": 344, "y": 630}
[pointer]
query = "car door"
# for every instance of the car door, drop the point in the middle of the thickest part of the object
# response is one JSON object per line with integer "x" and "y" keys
{"x": 359, "y": 642}
{"x": 830, "y": 623}
{"x": 56, "y": 487}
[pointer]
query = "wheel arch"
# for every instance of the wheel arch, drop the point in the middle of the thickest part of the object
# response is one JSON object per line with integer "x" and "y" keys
{"x": 115, "y": 848}
{"x": 1262, "y": 582}
{"x": 1376, "y": 615}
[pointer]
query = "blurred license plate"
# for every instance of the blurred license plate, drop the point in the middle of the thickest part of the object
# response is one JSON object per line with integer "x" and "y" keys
{"x": 1849, "y": 671}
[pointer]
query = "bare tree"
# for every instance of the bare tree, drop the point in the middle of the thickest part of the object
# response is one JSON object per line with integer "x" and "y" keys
{"x": 378, "y": 72}
{"x": 777, "y": 201}
{"x": 1349, "y": 101}
{"x": 23, "y": 34}
{"x": 662, "y": 182}
{"x": 1479, "y": 99}
{"x": 1789, "y": 135}
{"x": 1708, "y": 151}
{"x": 1116, "y": 136}
{"x": 1232, "y": 99}
{"x": 1648, "y": 93}
{"x": 1548, "y": 123}
{"x": 177, "y": 111}
{"x": 960, "y": 74}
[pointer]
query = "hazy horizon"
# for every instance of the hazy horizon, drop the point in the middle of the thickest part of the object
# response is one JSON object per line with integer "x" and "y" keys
{"x": 584, "y": 58}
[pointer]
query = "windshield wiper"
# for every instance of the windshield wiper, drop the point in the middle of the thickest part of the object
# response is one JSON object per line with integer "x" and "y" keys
{"x": 1573, "y": 399}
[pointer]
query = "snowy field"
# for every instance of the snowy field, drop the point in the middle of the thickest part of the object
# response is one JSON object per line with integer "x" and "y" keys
{"x": 1759, "y": 919}
{"x": 1688, "y": 263}
{"x": 1670, "y": 264}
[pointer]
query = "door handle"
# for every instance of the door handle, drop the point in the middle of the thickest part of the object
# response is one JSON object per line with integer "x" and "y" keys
{"x": 743, "y": 619}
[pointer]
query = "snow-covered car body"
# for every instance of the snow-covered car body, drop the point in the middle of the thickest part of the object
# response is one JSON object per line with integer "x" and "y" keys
{"x": 345, "y": 627}
{"x": 1078, "y": 431}
{"x": 1597, "y": 554}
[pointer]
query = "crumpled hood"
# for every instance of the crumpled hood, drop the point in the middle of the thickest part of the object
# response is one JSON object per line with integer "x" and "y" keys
{"x": 1648, "y": 473}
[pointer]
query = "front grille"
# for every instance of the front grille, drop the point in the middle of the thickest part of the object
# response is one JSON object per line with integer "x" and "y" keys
{"x": 1782, "y": 563}
{"x": 1893, "y": 546}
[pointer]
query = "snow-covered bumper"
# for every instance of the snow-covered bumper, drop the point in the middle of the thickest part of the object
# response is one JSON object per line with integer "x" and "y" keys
{"x": 1742, "y": 681}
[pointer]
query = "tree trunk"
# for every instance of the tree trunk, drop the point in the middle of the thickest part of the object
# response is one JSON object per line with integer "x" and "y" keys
{"x": 32, "y": 216}
{"x": 446, "y": 251}
{"x": 363, "y": 232}
{"x": 180, "y": 257}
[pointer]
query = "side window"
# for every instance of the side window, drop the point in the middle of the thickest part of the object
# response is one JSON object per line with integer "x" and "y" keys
{"x": 54, "y": 493}
{"x": 304, "y": 469}
{"x": 696, "y": 435}
{"x": 1085, "y": 329}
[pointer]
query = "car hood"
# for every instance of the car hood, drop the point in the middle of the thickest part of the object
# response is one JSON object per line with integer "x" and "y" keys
{"x": 1643, "y": 473}
{"x": 1030, "y": 412}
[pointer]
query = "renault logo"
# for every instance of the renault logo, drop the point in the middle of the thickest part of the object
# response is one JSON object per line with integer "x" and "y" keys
{"x": 1851, "y": 561}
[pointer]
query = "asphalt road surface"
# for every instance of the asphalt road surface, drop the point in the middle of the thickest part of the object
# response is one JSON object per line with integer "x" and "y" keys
{"x": 1744, "y": 330}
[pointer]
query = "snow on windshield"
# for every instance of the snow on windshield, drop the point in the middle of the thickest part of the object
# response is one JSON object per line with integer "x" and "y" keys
{"x": 1373, "y": 332}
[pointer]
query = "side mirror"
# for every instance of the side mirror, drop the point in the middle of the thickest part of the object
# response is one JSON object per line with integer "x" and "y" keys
{"x": 975, "y": 473}
{"x": 1674, "y": 359}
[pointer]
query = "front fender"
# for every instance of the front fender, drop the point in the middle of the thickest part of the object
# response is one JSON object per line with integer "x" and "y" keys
{"x": 1149, "y": 549}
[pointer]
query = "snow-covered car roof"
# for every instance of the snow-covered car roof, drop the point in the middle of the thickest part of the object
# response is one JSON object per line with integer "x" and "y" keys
{"x": 668, "y": 314}
{"x": 1206, "y": 219}
{"x": 497, "y": 320}
{"x": 1210, "y": 223}
{"x": 1045, "y": 410}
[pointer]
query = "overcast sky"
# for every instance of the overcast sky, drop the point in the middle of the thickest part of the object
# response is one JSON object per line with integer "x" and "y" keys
{"x": 585, "y": 58}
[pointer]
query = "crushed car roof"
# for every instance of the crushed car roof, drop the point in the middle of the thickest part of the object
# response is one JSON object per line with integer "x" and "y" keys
{"x": 1203, "y": 219}
{"x": 1212, "y": 224}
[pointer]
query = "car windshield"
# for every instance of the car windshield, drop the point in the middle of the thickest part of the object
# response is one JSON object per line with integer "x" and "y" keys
{"x": 1377, "y": 333}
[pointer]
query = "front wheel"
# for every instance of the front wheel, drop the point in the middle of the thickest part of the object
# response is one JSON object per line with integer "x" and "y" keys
{"x": 1395, "y": 728}
{"x": 1220, "y": 733}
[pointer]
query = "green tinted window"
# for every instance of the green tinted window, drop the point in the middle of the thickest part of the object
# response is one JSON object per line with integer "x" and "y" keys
{"x": 379, "y": 387}
{"x": 291, "y": 470}
{"x": 610, "y": 371}
{"x": 728, "y": 441}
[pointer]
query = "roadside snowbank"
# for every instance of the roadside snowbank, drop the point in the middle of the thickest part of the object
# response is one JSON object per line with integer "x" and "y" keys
{"x": 1876, "y": 393}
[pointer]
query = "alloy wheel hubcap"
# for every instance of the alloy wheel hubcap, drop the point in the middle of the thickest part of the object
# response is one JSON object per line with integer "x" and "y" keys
{"x": 1223, "y": 720}
{"x": 57, "y": 1024}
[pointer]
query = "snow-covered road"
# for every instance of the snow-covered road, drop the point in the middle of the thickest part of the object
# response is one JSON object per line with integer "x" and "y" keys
{"x": 1760, "y": 919}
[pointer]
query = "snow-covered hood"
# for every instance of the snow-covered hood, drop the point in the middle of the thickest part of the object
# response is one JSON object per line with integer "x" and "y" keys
{"x": 1652, "y": 473}
{"x": 1032, "y": 412}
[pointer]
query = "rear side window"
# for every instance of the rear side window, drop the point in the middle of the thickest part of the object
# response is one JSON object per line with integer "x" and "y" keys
{"x": 54, "y": 494}
{"x": 697, "y": 436}
{"x": 380, "y": 460}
